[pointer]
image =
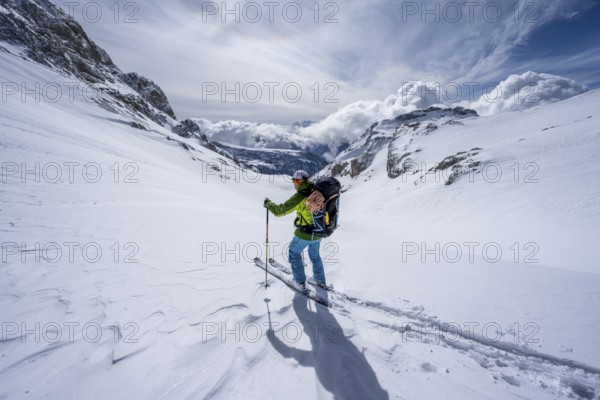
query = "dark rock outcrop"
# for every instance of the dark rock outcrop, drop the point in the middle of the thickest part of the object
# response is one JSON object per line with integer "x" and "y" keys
{"x": 397, "y": 166}
{"x": 187, "y": 129}
{"x": 52, "y": 38}
{"x": 460, "y": 164}
{"x": 149, "y": 91}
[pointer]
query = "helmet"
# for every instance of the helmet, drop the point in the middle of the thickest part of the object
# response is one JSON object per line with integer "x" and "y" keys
{"x": 300, "y": 175}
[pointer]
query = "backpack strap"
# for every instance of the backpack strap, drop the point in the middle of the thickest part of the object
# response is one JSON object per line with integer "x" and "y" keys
{"x": 333, "y": 196}
{"x": 305, "y": 192}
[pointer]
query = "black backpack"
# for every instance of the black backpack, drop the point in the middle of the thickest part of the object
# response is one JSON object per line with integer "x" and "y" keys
{"x": 326, "y": 221}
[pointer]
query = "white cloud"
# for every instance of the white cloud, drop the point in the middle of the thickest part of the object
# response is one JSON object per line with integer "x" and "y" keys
{"x": 350, "y": 121}
{"x": 251, "y": 134}
{"x": 519, "y": 92}
{"x": 373, "y": 48}
{"x": 344, "y": 125}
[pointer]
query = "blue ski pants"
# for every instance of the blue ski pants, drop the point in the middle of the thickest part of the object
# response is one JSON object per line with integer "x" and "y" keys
{"x": 296, "y": 247}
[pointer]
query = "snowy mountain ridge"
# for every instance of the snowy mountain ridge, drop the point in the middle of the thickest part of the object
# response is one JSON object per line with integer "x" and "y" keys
{"x": 181, "y": 312}
{"x": 47, "y": 35}
{"x": 127, "y": 257}
{"x": 269, "y": 148}
{"x": 40, "y": 31}
{"x": 274, "y": 161}
{"x": 395, "y": 135}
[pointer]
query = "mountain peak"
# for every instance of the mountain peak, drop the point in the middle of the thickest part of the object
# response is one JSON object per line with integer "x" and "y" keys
{"x": 360, "y": 154}
{"x": 54, "y": 39}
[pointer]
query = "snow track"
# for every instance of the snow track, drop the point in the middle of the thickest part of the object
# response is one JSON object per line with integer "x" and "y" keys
{"x": 181, "y": 313}
{"x": 420, "y": 324}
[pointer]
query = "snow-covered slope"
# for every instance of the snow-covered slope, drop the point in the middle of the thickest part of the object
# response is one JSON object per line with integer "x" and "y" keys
{"x": 509, "y": 241}
{"x": 535, "y": 172}
{"x": 400, "y": 132}
{"x": 127, "y": 257}
{"x": 146, "y": 200}
{"x": 174, "y": 308}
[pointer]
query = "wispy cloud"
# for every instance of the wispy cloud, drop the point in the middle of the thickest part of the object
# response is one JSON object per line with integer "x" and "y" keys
{"x": 372, "y": 49}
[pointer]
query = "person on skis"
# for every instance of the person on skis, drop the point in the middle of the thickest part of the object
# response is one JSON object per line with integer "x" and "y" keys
{"x": 303, "y": 236}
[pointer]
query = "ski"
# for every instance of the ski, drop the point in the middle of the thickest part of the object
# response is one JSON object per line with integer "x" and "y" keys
{"x": 282, "y": 276}
{"x": 330, "y": 289}
{"x": 276, "y": 264}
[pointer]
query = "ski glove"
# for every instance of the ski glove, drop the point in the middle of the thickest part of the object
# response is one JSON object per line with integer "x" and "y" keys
{"x": 266, "y": 203}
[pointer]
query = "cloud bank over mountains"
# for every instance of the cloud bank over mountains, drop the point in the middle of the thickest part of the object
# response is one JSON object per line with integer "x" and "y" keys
{"x": 520, "y": 92}
{"x": 516, "y": 93}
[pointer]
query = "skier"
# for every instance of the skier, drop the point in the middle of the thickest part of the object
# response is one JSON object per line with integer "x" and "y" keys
{"x": 302, "y": 236}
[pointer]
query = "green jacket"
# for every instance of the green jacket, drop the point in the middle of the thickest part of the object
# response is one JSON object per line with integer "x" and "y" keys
{"x": 296, "y": 203}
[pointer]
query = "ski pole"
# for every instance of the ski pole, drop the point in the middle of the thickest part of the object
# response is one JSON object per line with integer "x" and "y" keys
{"x": 267, "y": 251}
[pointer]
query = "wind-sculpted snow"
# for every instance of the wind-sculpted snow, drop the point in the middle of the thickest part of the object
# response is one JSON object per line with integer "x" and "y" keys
{"x": 420, "y": 326}
{"x": 127, "y": 267}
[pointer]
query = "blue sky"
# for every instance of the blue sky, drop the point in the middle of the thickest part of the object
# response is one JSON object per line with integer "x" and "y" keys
{"x": 564, "y": 39}
{"x": 365, "y": 52}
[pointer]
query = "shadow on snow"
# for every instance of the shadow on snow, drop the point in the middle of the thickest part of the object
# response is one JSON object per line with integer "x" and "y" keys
{"x": 341, "y": 367}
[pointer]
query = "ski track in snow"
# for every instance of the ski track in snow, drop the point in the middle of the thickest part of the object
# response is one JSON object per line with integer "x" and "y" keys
{"x": 429, "y": 329}
{"x": 157, "y": 316}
